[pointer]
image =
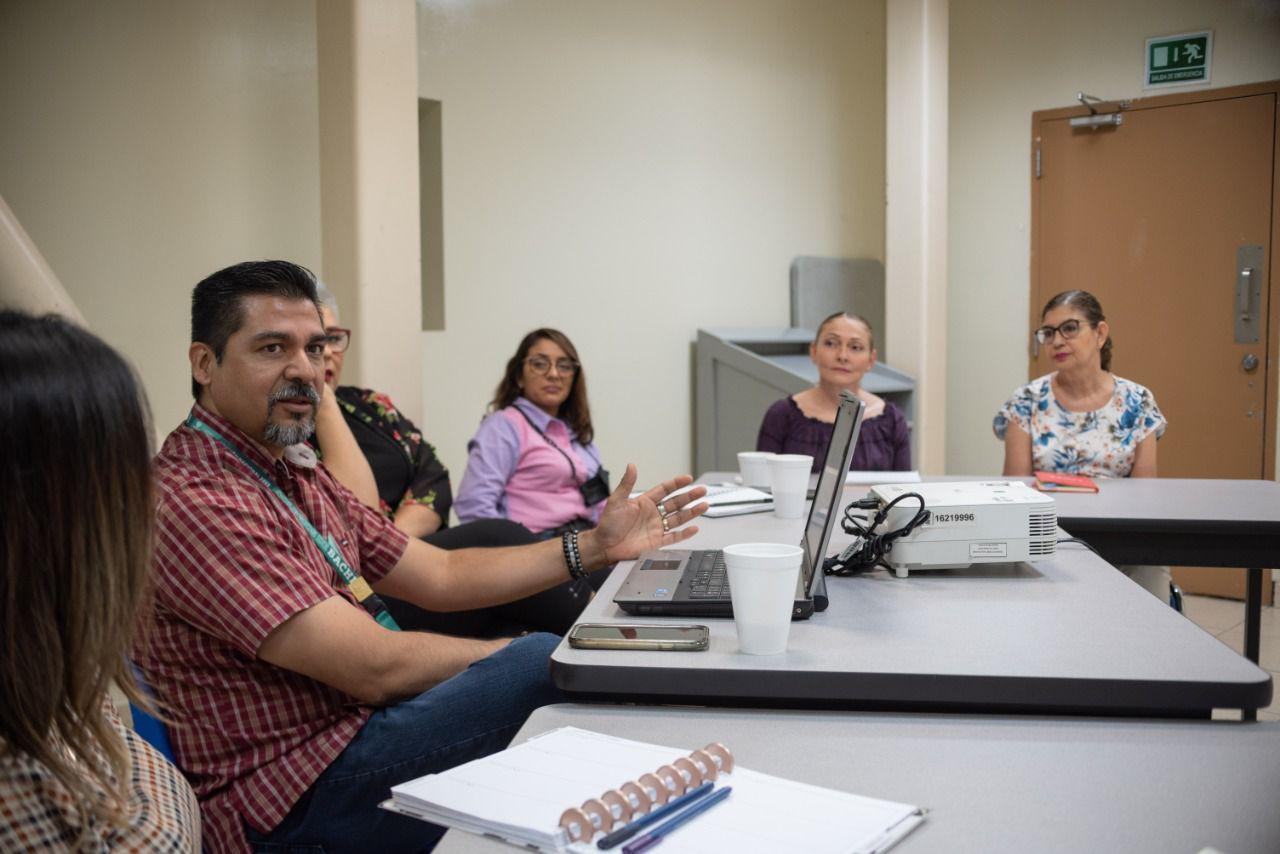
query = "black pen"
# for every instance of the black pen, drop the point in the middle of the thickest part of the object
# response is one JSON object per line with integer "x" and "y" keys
{"x": 624, "y": 833}
{"x": 644, "y": 843}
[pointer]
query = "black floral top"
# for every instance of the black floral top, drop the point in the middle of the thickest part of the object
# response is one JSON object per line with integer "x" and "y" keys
{"x": 404, "y": 464}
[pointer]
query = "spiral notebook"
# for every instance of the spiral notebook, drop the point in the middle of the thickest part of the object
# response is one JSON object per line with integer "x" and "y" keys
{"x": 539, "y": 793}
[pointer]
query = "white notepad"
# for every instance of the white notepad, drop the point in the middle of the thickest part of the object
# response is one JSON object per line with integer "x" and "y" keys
{"x": 731, "y": 500}
{"x": 519, "y": 794}
{"x": 876, "y": 478}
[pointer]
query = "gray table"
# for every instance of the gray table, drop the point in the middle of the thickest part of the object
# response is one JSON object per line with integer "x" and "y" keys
{"x": 1184, "y": 522}
{"x": 1171, "y": 521}
{"x": 1066, "y": 635}
{"x": 993, "y": 784}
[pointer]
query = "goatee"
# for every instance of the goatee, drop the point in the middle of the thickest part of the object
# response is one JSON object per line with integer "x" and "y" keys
{"x": 302, "y": 426}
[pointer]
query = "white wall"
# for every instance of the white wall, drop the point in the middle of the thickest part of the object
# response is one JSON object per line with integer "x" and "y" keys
{"x": 144, "y": 145}
{"x": 916, "y": 214}
{"x": 1010, "y": 58}
{"x": 628, "y": 172}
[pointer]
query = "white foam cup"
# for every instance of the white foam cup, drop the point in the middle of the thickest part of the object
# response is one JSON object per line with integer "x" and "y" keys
{"x": 754, "y": 467}
{"x": 762, "y": 585}
{"x": 789, "y": 475}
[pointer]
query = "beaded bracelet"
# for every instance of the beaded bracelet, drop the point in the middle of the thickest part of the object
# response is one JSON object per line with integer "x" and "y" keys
{"x": 572, "y": 556}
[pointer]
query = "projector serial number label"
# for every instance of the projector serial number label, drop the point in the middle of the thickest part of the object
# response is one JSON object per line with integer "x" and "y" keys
{"x": 988, "y": 549}
{"x": 951, "y": 520}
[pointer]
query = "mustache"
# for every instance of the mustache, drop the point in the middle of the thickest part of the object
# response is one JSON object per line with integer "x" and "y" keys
{"x": 292, "y": 390}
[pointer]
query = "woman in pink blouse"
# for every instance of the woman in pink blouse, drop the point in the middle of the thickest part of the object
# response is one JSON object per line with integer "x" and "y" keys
{"x": 533, "y": 459}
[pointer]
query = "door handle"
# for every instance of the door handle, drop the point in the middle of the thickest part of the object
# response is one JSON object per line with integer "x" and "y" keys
{"x": 1249, "y": 363}
{"x": 1246, "y": 302}
{"x": 1243, "y": 291}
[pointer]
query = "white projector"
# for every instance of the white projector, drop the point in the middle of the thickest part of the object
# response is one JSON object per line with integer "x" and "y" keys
{"x": 971, "y": 522}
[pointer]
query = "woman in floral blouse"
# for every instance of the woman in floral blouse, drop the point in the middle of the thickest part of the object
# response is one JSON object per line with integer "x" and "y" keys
{"x": 1081, "y": 418}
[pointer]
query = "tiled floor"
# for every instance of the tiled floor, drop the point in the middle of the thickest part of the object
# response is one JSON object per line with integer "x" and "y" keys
{"x": 1224, "y": 619}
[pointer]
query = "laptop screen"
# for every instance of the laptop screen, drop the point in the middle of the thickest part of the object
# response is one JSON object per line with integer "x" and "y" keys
{"x": 826, "y": 496}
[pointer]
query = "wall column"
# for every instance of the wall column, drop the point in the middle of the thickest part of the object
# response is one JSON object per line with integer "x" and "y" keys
{"x": 916, "y": 212}
{"x": 26, "y": 280}
{"x": 368, "y": 78}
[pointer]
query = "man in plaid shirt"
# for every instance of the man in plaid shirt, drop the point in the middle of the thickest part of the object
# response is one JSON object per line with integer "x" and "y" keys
{"x": 295, "y": 708}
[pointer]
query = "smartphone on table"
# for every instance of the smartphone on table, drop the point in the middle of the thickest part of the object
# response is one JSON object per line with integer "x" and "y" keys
{"x": 686, "y": 638}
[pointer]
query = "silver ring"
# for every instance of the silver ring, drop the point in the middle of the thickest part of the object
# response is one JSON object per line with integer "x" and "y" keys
{"x": 662, "y": 509}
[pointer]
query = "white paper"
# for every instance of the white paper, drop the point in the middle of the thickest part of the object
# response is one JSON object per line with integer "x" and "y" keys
{"x": 874, "y": 478}
{"x": 520, "y": 793}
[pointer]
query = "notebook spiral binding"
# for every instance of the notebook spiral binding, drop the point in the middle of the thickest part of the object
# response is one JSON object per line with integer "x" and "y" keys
{"x": 635, "y": 798}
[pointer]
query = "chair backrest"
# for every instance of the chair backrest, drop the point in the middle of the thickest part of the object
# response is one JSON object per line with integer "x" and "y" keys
{"x": 148, "y": 726}
{"x": 822, "y": 286}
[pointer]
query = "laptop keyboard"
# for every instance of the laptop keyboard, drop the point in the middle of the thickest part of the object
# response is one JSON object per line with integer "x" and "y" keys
{"x": 709, "y": 578}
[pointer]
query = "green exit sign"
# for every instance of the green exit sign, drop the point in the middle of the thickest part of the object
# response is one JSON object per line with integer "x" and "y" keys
{"x": 1176, "y": 60}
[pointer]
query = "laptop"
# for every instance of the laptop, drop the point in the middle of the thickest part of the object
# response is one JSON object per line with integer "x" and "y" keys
{"x": 694, "y": 583}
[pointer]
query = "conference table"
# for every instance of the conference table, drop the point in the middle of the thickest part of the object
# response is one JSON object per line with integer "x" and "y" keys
{"x": 1065, "y": 635}
{"x": 1184, "y": 522}
{"x": 990, "y": 783}
{"x": 1025, "y": 706}
{"x": 1169, "y": 521}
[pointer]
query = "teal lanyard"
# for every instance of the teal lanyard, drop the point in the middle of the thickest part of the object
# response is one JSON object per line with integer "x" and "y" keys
{"x": 354, "y": 582}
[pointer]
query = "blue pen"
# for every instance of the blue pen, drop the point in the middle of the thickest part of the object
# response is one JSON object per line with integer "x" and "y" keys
{"x": 644, "y": 843}
{"x": 622, "y": 834}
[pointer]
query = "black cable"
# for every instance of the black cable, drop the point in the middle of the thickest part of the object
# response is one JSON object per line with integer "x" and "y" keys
{"x": 1080, "y": 542}
{"x": 869, "y": 549}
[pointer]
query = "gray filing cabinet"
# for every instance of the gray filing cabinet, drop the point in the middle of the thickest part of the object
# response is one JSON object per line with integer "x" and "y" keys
{"x": 741, "y": 372}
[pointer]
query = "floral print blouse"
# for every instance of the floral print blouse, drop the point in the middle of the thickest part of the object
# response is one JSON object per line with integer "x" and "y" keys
{"x": 404, "y": 464}
{"x": 1101, "y": 443}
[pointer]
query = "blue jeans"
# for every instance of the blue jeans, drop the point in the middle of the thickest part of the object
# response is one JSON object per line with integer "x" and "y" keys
{"x": 471, "y": 715}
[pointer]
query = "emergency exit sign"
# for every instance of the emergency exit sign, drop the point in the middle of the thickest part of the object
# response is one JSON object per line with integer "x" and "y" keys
{"x": 1175, "y": 60}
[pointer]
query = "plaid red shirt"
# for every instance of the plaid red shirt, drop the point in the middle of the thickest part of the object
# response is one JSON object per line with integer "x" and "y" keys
{"x": 232, "y": 564}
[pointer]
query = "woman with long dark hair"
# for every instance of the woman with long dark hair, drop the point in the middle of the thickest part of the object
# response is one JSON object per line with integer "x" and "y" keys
{"x": 382, "y": 457}
{"x": 76, "y": 522}
{"x": 533, "y": 459}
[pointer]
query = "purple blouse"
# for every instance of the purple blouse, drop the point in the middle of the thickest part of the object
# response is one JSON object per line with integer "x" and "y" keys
{"x": 883, "y": 444}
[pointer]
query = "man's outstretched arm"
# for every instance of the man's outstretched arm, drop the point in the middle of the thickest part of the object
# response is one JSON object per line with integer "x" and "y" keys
{"x": 474, "y": 578}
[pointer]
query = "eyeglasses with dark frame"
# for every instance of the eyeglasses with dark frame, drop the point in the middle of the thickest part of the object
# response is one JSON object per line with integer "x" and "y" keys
{"x": 1068, "y": 329}
{"x": 542, "y": 365}
{"x": 337, "y": 339}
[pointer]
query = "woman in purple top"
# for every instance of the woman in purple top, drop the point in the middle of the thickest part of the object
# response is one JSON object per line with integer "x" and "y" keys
{"x": 844, "y": 350}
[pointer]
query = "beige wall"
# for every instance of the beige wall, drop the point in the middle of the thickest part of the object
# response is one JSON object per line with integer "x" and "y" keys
{"x": 629, "y": 172}
{"x": 1008, "y": 59}
{"x": 145, "y": 144}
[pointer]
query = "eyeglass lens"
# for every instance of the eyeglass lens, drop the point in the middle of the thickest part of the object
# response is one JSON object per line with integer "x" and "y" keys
{"x": 338, "y": 339}
{"x": 1068, "y": 329}
{"x": 542, "y": 365}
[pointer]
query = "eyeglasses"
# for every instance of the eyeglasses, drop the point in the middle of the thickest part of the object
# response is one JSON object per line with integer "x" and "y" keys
{"x": 542, "y": 365}
{"x": 1068, "y": 329}
{"x": 337, "y": 339}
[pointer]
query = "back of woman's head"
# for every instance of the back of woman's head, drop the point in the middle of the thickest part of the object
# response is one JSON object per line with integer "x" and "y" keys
{"x": 575, "y": 411}
{"x": 1088, "y": 306}
{"x": 76, "y": 520}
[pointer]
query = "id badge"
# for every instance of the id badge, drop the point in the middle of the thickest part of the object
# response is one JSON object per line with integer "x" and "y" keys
{"x": 596, "y": 489}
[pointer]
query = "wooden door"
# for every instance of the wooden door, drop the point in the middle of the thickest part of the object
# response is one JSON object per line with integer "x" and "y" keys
{"x": 1150, "y": 215}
